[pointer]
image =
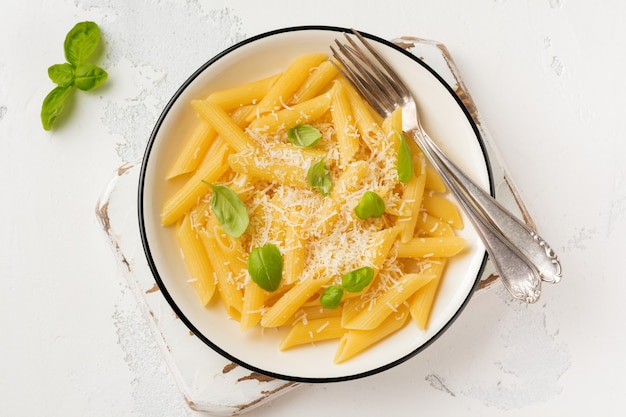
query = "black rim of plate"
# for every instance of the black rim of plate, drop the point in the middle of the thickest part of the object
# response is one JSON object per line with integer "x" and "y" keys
{"x": 155, "y": 271}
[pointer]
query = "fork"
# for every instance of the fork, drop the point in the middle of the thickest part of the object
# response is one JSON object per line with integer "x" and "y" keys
{"x": 521, "y": 257}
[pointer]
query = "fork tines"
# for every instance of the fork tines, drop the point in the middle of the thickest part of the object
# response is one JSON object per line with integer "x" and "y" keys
{"x": 370, "y": 74}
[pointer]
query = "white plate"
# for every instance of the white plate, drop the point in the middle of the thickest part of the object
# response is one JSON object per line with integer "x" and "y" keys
{"x": 445, "y": 118}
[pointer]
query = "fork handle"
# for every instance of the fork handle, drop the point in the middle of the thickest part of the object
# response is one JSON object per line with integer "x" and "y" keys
{"x": 520, "y": 257}
{"x": 520, "y": 277}
{"x": 516, "y": 272}
{"x": 533, "y": 246}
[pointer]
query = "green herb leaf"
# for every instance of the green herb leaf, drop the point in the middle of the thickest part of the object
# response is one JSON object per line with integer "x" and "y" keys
{"x": 230, "y": 211}
{"x": 265, "y": 265}
{"x": 318, "y": 177}
{"x": 331, "y": 297}
{"x": 370, "y": 205}
{"x": 62, "y": 74}
{"x": 358, "y": 279}
{"x": 53, "y": 106}
{"x": 405, "y": 160}
{"x": 81, "y": 42}
{"x": 89, "y": 76}
{"x": 304, "y": 136}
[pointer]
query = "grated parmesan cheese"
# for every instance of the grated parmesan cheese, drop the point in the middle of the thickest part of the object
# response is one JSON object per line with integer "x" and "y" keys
{"x": 322, "y": 327}
{"x": 323, "y": 230}
{"x": 391, "y": 307}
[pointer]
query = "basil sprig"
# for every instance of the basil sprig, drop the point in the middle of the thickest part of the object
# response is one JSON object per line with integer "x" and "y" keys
{"x": 265, "y": 266}
{"x": 318, "y": 177}
{"x": 229, "y": 210}
{"x": 354, "y": 281}
{"x": 304, "y": 136}
{"x": 370, "y": 205}
{"x": 405, "y": 160}
{"x": 80, "y": 43}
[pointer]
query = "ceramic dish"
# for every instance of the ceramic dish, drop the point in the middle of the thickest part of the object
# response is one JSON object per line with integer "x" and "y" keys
{"x": 444, "y": 117}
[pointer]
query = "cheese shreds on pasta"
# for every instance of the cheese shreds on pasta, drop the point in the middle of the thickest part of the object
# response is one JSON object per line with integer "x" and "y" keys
{"x": 319, "y": 236}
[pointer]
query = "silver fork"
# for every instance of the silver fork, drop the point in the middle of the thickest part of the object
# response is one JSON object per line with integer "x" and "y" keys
{"x": 522, "y": 258}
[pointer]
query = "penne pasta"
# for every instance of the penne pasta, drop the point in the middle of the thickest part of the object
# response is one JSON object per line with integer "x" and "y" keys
{"x": 318, "y": 79}
{"x": 393, "y": 125}
{"x": 349, "y": 181}
{"x": 287, "y": 84}
{"x": 273, "y": 171}
{"x": 381, "y": 246}
{"x": 424, "y": 247}
{"x": 223, "y": 124}
{"x": 187, "y": 196}
{"x": 295, "y": 252}
{"x": 201, "y": 273}
{"x": 254, "y": 298}
{"x": 194, "y": 151}
{"x": 315, "y": 311}
{"x": 203, "y": 135}
{"x": 434, "y": 181}
{"x": 202, "y": 144}
{"x": 316, "y": 330}
{"x": 413, "y": 195}
{"x": 443, "y": 209}
{"x": 354, "y": 342}
{"x": 303, "y": 112}
{"x": 284, "y": 309}
{"x": 345, "y": 126}
{"x": 242, "y": 95}
{"x": 366, "y": 124}
{"x": 373, "y": 314}
{"x": 227, "y": 283}
{"x": 315, "y": 234}
{"x": 421, "y": 304}
{"x": 412, "y": 200}
{"x": 430, "y": 225}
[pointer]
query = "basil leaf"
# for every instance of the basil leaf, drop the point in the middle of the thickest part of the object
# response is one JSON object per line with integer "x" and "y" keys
{"x": 265, "y": 265}
{"x": 358, "y": 279}
{"x": 331, "y": 297}
{"x": 318, "y": 177}
{"x": 370, "y": 205}
{"x": 229, "y": 210}
{"x": 62, "y": 74}
{"x": 89, "y": 76}
{"x": 53, "y": 106}
{"x": 81, "y": 41}
{"x": 304, "y": 136}
{"x": 405, "y": 160}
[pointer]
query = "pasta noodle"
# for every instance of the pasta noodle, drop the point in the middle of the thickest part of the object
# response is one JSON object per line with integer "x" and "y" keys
{"x": 319, "y": 78}
{"x": 379, "y": 270}
{"x": 421, "y": 303}
{"x": 355, "y": 341}
{"x": 289, "y": 82}
{"x": 197, "y": 261}
{"x": 312, "y": 331}
{"x": 345, "y": 126}
{"x": 186, "y": 197}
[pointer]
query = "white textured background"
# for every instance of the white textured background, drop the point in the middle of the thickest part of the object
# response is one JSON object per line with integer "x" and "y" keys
{"x": 548, "y": 79}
